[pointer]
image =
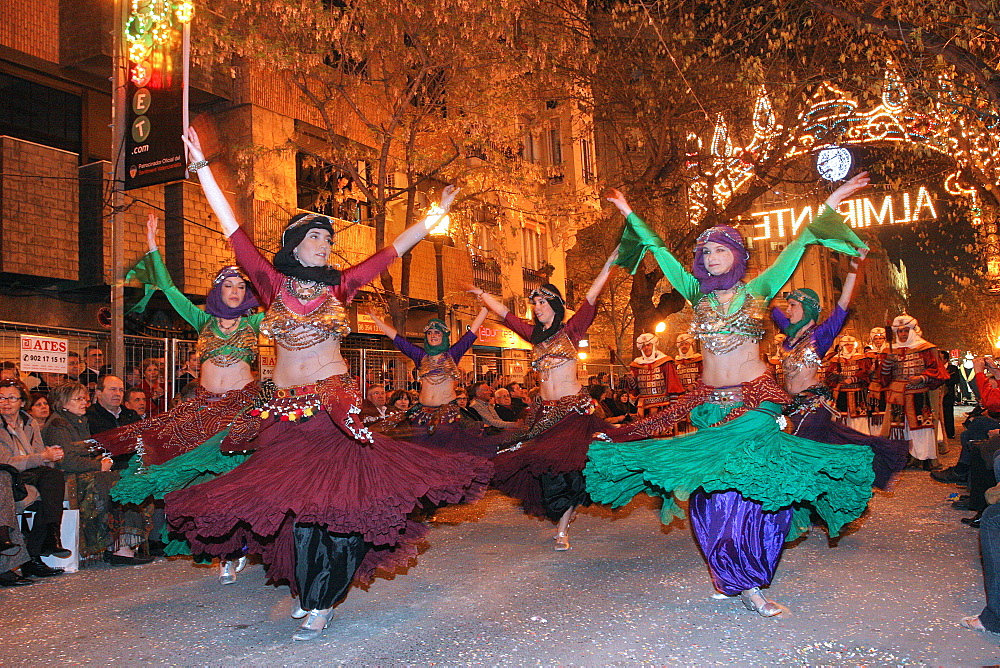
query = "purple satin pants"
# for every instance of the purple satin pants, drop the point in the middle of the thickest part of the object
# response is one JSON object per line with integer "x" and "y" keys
{"x": 741, "y": 543}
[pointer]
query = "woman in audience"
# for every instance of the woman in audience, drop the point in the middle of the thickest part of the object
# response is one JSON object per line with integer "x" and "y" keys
{"x": 103, "y": 525}
{"x": 39, "y": 408}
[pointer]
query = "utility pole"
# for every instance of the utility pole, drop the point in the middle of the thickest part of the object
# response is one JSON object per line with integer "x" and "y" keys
{"x": 118, "y": 64}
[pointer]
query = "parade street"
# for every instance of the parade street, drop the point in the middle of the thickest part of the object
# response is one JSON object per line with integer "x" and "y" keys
{"x": 491, "y": 591}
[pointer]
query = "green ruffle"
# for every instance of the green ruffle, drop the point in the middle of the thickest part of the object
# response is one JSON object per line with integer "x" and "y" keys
{"x": 152, "y": 273}
{"x": 749, "y": 454}
{"x": 636, "y": 239}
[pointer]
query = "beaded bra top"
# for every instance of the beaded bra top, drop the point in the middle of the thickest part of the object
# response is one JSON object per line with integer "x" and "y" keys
{"x": 552, "y": 353}
{"x": 721, "y": 332}
{"x": 803, "y": 354}
{"x": 436, "y": 369}
{"x": 293, "y": 331}
{"x": 222, "y": 350}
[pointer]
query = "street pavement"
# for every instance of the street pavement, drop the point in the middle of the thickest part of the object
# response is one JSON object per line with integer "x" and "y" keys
{"x": 490, "y": 590}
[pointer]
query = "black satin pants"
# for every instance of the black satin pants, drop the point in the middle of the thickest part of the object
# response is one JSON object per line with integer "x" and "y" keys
{"x": 562, "y": 491}
{"x": 325, "y": 564}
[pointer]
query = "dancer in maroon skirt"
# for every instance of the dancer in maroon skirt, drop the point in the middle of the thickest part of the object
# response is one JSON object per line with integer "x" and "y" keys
{"x": 544, "y": 469}
{"x": 323, "y": 499}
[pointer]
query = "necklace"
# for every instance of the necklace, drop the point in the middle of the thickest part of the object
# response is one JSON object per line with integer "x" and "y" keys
{"x": 228, "y": 328}
{"x": 304, "y": 290}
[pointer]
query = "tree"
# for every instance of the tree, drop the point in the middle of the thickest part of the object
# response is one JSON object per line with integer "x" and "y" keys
{"x": 406, "y": 95}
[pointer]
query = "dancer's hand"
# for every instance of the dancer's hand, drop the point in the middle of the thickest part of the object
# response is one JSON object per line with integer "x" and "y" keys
{"x": 193, "y": 145}
{"x": 448, "y": 196}
{"x": 151, "y": 225}
{"x": 617, "y": 198}
{"x": 847, "y": 189}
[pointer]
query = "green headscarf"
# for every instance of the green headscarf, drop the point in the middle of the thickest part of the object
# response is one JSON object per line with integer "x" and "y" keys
{"x": 810, "y": 310}
{"x": 438, "y": 325}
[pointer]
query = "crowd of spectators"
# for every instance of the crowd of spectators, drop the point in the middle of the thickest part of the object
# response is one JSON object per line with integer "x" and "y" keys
{"x": 46, "y": 424}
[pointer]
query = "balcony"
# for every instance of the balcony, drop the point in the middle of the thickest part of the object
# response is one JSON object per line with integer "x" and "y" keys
{"x": 486, "y": 274}
{"x": 532, "y": 281}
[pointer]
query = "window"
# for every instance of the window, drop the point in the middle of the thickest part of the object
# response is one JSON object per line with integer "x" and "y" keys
{"x": 530, "y": 149}
{"x": 587, "y": 160}
{"x": 555, "y": 143}
{"x": 40, "y": 114}
{"x": 324, "y": 189}
{"x": 532, "y": 248}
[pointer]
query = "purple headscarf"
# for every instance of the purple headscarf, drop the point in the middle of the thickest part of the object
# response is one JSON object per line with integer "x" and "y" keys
{"x": 214, "y": 305}
{"x": 731, "y": 238}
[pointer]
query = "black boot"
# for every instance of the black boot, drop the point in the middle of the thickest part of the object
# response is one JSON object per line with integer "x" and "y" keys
{"x": 8, "y": 548}
{"x": 12, "y": 579}
{"x": 51, "y": 546}
{"x": 36, "y": 568}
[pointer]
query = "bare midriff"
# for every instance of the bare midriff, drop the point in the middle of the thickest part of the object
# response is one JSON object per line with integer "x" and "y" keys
{"x": 802, "y": 379}
{"x": 561, "y": 382}
{"x": 308, "y": 365}
{"x": 437, "y": 395}
{"x": 740, "y": 365}
{"x": 221, "y": 379}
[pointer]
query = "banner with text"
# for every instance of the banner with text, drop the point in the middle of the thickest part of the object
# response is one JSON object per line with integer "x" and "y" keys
{"x": 154, "y": 152}
{"x": 43, "y": 354}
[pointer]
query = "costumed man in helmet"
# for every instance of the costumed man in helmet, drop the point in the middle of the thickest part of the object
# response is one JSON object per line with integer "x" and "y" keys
{"x": 875, "y": 351}
{"x": 911, "y": 368}
{"x": 848, "y": 374}
{"x": 655, "y": 375}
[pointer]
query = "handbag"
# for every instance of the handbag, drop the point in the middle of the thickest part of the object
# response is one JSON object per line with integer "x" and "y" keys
{"x": 17, "y": 485}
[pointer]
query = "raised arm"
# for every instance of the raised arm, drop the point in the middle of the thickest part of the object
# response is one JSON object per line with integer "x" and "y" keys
{"x": 411, "y": 235}
{"x": 386, "y": 328}
{"x": 213, "y": 193}
{"x": 602, "y": 278}
{"x": 637, "y": 238}
{"x": 851, "y": 280}
{"x": 491, "y": 302}
{"x": 480, "y": 319}
{"x": 156, "y": 270}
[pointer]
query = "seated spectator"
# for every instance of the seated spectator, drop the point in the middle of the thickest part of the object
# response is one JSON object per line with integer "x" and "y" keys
{"x": 133, "y": 377}
{"x": 518, "y": 397}
{"x": 94, "y": 368}
{"x": 462, "y": 399}
{"x": 152, "y": 385}
{"x": 627, "y": 402}
{"x": 73, "y": 366}
{"x": 22, "y": 448}
{"x": 482, "y": 404}
{"x": 135, "y": 400}
{"x": 980, "y": 427}
{"x": 373, "y": 408}
{"x": 400, "y": 401}
{"x": 395, "y": 424}
{"x": 105, "y": 527}
{"x": 989, "y": 543}
{"x": 39, "y": 407}
{"x": 13, "y": 552}
{"x": 600, "y": 394}
{"x": 505, "y": 406}
{"x": 107, "y": 411}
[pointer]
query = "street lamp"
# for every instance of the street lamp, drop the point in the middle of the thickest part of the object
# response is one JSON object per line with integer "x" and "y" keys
{"x": 660, "y": 327}
{"x": 438, "y": 235}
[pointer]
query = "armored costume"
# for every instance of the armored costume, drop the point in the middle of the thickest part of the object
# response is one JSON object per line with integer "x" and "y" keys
{"x": 655, "y": 375}
{"x": 847, "y": 375}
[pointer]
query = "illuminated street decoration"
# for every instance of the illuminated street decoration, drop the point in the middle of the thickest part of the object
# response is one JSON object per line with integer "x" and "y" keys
{"x": 153, "y": 23}
{"x": 833, "y": 164}
{"x": 893, "y": 209}
{"x": 955, "y": 127}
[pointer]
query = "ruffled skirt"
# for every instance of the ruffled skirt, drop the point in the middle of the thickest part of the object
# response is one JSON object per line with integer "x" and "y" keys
{"x": 308, "y": 470}
{"x": 749, "y": 454}
{"x": 162, "y": 437}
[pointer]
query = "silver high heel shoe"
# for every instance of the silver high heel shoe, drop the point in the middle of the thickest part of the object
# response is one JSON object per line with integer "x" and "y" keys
{"x": 314, "y": 624}
{"x": 562, "y": 541}
{"x": 297, "y": 611}
{"x": 754, "y": 600}
{"x": 229, "y": 569}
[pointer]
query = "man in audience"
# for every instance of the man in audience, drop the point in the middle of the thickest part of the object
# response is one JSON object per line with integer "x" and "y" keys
{"x": 518, "y": 397}
{"x": 482, "y": 403}
{"x": 73, "y": 366}
{"x": 93, "y": 357}
{"x": 107, "y": 411}
{"x": 373, "y": 408}
{"x": 135, "y": 400}
{"x": 505, "y": 405}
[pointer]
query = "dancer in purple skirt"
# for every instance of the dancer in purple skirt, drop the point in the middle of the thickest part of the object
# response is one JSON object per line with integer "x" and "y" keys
{"x": 323, "y": 499}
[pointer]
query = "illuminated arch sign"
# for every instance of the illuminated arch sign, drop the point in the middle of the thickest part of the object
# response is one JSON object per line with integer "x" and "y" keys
{"x": 871, "y": 211}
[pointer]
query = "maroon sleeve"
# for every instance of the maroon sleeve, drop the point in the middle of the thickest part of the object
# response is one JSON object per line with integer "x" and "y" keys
{"x": 354, "y": 278}
{"x": 265, "y": 278}
{"x": 522, "y": 328}
{"x": 577, "y": 326}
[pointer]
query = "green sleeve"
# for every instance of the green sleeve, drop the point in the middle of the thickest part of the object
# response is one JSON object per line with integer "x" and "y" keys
{"x": 153, "y": 272}
{"x": 637, "y": 238}
{"x": 255, "y": 320}
{"x": 827, "y": 229}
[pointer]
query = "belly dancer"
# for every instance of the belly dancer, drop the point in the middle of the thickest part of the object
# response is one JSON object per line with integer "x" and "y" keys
{"x": 437, "y": 419}
{"x": 323, "y": 499}
{"x": 811, "y": 413}
{"x": 181, "y": 447}
{"x": 544, "y": 469}
{"x": 740, "y": 471}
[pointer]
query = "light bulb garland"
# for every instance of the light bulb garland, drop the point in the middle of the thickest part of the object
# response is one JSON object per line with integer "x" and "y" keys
{"x": 152, "y": 23}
